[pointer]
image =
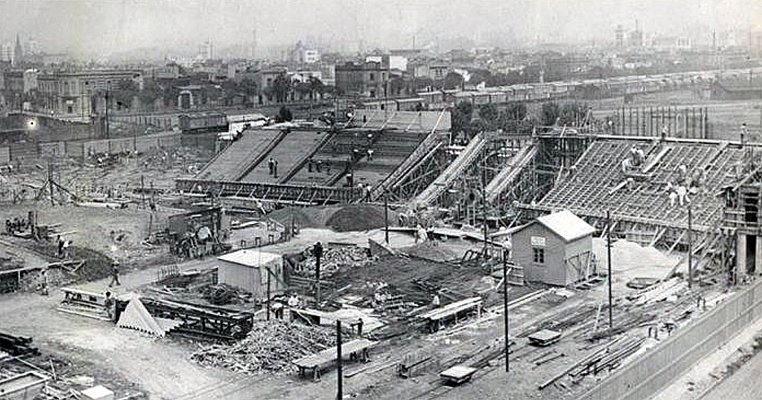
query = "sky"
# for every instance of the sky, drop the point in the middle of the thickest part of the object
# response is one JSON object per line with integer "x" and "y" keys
{"x": 105, "y": 26}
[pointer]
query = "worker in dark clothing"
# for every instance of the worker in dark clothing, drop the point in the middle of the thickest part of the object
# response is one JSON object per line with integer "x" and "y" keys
{"x": 115, "y": 275}
{"x": 60, "y": 246}
{"x": 108, "y": 304}
{"x": 275, "y": 168}
{"x": 278, "y": 310}
{"x": 359, "y": 326}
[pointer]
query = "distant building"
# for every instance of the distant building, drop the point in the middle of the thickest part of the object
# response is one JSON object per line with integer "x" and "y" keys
{"x": 619, "y": 36}
{"x": 555, "y": 249}
{"x": 80, "y": 95}
{"x": 18, "y": 52}
{"x": 6, "y": 53}
{"x": 167, "y": 72}
{"x": 369, "y": 79}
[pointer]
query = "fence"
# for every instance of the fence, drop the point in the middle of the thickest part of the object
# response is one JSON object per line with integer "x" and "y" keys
{"x": 661, "y": 365}
{"x": 27, "y": 154}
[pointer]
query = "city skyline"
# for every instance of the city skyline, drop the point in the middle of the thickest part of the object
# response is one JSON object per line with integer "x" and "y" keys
{"x": 98, "y": 27}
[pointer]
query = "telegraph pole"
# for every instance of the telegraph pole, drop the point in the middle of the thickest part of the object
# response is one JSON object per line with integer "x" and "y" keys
{"x": 268, "y": 294}
{"x": 484, "y": 202}
{"x": 690, "y": 249}
{"x": 339, "y": 376}
{"x": 608, "y": 250}
{"x": 386, "y": 217}
{"x": 318, "y": 251}
{"x": 505, "y": 310}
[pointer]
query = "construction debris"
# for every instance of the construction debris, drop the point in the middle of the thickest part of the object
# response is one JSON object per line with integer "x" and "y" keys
{"x": 270, "y": 347}
{"x": 333, "y": 260}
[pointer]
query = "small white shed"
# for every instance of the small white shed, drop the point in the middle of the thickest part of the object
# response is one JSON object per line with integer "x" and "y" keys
{"x": 248, "y": 269}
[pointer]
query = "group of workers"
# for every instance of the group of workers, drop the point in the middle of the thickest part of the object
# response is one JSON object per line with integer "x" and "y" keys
{"x": 685, "y": 184}
{"x": 635, "y": 159}
{"x": 272, "y": 166}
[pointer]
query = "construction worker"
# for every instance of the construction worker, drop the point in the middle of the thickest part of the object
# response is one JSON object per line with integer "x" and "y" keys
{"x": 115, "y": 274}
{"x": 277, "y": 308}
{"x": 108, "y": 304}
{"x": 436, "y": 302}
{"x": 60, "y": 246}
{"x": 44, "y": 281}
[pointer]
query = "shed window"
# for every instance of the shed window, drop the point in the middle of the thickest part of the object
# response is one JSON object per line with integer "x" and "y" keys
{"x": 538, "y": 255}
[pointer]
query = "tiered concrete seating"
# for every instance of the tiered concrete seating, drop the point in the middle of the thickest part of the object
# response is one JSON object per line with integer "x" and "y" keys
{"x": 389, "y": 151}
{"x": 288, "y": 153}
{"x": 224, "y": 166}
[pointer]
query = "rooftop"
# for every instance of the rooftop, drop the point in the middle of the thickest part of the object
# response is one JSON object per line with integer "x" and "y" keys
{"x": 249, "y": 257}
{"x": 567, "y": 225}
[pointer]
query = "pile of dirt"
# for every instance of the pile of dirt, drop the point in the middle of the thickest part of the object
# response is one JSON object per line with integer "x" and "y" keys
{"x": 304, "y": 217}
{"x": 358, "y": 217}
{"x": 270, "y": 347}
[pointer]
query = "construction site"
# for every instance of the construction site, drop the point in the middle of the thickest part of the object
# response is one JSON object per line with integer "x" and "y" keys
{"x": 378, "y": 257}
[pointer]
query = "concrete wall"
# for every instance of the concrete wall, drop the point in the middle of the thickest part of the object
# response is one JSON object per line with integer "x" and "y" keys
{"x": 31, "y": 153}
{"x": 661, "y": 365}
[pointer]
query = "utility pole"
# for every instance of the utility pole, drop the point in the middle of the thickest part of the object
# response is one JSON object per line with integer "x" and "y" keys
{"x": 50, "y": 181}
{"x": 386, "y": 217}
{"x": 484, "y": 202}
{"x": 268, "y": 295}
{"x": 318, "y": 251}
{"x": 340, "y": 374}
{"x": 608, "y": 250}
{"x": 690, "y": 249}
{"x": 505, "y": 310}
{"x": 106, "y": 124}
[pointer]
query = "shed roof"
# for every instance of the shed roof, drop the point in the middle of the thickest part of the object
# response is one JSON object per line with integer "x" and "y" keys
{"x": 567, "y": 225}
{"x": 249, "y": 257}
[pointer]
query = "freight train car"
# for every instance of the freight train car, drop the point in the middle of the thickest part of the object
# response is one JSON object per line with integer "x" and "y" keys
{"x": 210, "y": 121}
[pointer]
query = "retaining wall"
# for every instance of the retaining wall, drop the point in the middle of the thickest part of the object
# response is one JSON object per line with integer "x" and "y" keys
{"x": 661, "y": 365}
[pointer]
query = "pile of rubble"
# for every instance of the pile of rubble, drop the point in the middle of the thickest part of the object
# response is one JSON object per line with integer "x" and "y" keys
{"x": 270, "y": 347}
{"x": 333, "y": 260}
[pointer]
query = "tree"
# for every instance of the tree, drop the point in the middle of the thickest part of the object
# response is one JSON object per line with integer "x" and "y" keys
{"x": 550, "y": 113}
{"x": 461, "y": 117}
{"x": 304, "y": 89}
{"x": 489, "y": 114}
{"x": 284, "y": 115}
{"x": 151, "y": 91}
{"x": 453, "y": 80}
{"x": 123, "y": 92}
{"x": 516, "y": 110}
{"x": 249, "y": 87}
{"x": 281, "y": 88}
{"x": 316, "y": 87}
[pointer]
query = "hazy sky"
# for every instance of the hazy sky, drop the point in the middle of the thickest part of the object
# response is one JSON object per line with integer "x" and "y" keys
{"x": 100, "y": 26}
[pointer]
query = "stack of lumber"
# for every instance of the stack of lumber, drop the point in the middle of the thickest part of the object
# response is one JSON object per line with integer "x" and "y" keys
{"x": 17, "y": 345}
{"x": 604, "y": 358}
{"x": 270, "y": 347}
